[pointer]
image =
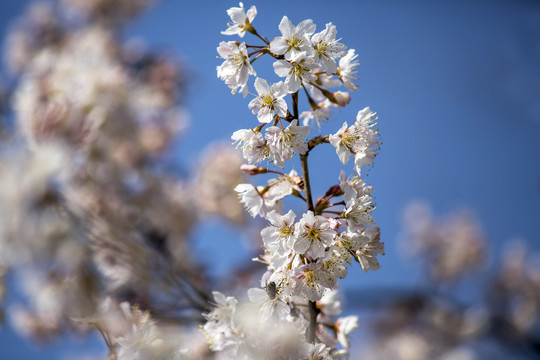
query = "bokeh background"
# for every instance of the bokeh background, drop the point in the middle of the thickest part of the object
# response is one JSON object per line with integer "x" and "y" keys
{"x": 456, "y": 86}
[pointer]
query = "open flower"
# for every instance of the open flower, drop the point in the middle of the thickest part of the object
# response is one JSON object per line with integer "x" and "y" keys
{"x": 254, "y": 147}
{"x": 296, "y": 71}
{"x": 270, "y": 100}
{"x": 255, "y": 201}
{"x": 327, "y": 48}
{"x": 278, "y": 237}
{"x": 370, "y": 247}
{"x": 347, "y": 70}
{"x": 283, "y": 143}
{"x": 268, "y": 305}
{"x": 241, "y": 20}
{"x": 314, "y": 234}
{"x": 313, "y": 280}
{"x": 294, "y": 40}
{"x": 236, "y": 68}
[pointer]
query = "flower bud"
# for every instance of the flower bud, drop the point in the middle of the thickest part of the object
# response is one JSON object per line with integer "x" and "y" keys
{"x": 253, "y": 170}
{"x": 342, "y": 98}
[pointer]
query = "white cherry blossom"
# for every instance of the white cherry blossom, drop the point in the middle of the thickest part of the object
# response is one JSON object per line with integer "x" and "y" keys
{"x": 319, "y": 115}
{"x": 241, "y": 20}
{"x": 296, "y": 71}
{"x": 327, "y": 48}
{"x": 347, "y": 70}
{"x": 254, "y": 147}
{"x": 279, "y": 236}
{"x": 270, "y": 100}
{"x": 345, "y": 326}
{"x": 359, "y": 139}
{"x": 358, "y": 213}
{"x": 255, "y": 201}
{"x": 236, "y": 68}
{"x": 283, "y": 143}
{"x": 313, "y": 235}
{"x": 370, "y": 247}
{"x": 353, "y": 187}
{"x": 294, "y": 39}
{"x": 312, "y": 281}
{"x": 268, "y": 305}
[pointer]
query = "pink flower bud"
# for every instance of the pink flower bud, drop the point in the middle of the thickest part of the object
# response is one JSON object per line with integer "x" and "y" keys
{"x": 252, "y": 169}
{"x": 342, "y": 98}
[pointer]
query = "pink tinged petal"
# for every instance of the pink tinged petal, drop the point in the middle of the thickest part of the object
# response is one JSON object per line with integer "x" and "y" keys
{"x": 262, "y": 87}
{"x": 281, "y": 68}
{"x": 286, "y": 27}
{"x": 278, "y": 46}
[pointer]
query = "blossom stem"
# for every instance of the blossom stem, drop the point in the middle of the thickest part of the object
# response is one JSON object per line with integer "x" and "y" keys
{"x": 312, "y": 306}
{"x": 333, "y": 212}
{"x": 254, "y": 32}
{"x": 316, "y": 141}
{"x": 295, "y": 104}
{"x": 254, "y": 52}
{"x": 312, "y": 102}
{"x": 335, "y": 204}
{"x": 256, "y": 57}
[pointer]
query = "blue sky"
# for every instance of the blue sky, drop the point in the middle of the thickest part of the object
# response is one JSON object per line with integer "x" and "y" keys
{"x": 456, "y": 86}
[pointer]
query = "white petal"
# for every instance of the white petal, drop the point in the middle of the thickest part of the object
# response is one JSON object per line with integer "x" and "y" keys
{"x": 286, "y": 27}
{"x": 261, "y": 86}
{"x": 281, "y": 68}
{"x": 281, "y": 107}
{"x": 278, "y": 46}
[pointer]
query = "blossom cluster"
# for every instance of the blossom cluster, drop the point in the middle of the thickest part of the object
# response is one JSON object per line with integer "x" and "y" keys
{"x": 306, "y": 253}
{"x": 93, "y": 212}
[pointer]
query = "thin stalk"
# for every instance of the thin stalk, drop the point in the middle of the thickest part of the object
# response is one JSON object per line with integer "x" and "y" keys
{"x": 307, "y": 184}
{"x": 295, "y": 105}
{"x": 256, "y": 57}
{"x": 312, "y": 307}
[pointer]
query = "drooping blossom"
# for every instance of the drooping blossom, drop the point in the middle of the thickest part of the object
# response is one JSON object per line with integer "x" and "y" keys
{"x": 254, "y": 148}
{"x": 241, "y": 20}
{"x": 236, "y": 68}
{"x": 347, "y": 70}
